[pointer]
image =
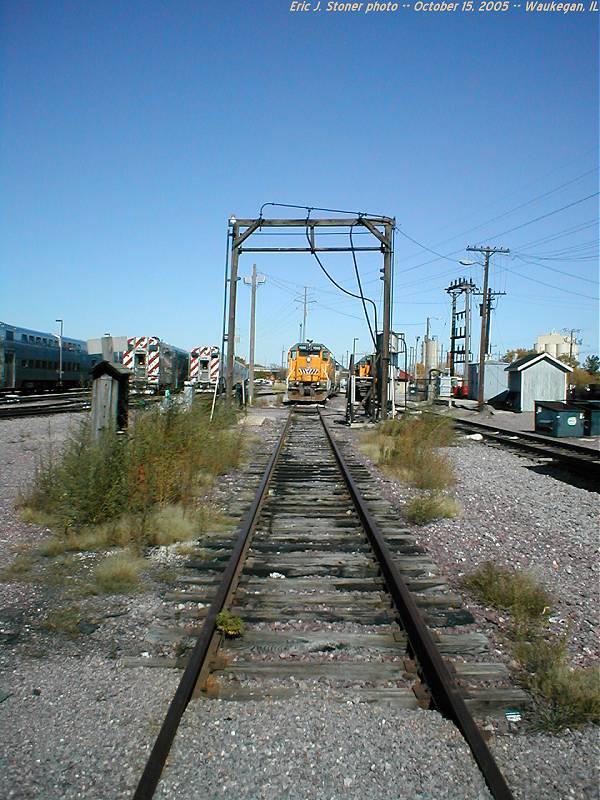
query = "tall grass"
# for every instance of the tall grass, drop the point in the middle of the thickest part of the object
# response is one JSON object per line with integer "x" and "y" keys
{"x": 408, "y": 449}
{"x": 562, "y": 697}
{"x": 430, "y": 506}
{"x": 119, "y": 490}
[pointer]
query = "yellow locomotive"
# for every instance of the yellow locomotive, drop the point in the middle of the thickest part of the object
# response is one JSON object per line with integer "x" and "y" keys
{"x": 311, "y": 373}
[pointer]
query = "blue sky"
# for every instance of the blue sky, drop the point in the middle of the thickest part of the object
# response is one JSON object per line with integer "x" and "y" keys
{"x": 130, "y": 132}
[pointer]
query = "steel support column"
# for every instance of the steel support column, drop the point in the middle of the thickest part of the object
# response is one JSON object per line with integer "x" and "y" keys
{"x": 387, "y": 307}
{"x": 233, "y": 279}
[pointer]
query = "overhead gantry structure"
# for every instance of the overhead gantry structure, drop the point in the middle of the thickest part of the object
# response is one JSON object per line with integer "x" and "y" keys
{"x": 239, "y": 233}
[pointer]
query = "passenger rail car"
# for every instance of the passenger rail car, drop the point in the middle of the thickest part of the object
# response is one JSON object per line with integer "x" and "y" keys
{"x": 206, "y": 369}
{"x": 311, "y": 373}
{"x": 30, "y": 360}
{"x": 155, "y": 365}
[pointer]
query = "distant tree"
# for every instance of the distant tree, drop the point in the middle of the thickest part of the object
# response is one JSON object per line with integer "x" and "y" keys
{"x": 519, "y": 352}
{"x": 581, "y": 377}
{"x": 592, "y": 365}
{"x": 570, "y": 360}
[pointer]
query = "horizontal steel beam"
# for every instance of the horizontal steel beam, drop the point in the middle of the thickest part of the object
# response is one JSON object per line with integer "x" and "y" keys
{"x": 318, "y": 223}
{"x": 308, "y": 249}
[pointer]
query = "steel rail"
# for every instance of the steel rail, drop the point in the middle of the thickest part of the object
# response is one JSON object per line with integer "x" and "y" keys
{"x": 574, "y": 458}
{"x": 527, "y": 437}
{"x": 158, "y": 756}
{"x": 440, "y": 682}
{"x": 16, "y": 411}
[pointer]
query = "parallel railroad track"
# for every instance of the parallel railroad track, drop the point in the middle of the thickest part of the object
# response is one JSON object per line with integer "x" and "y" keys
{"x": 351, "y": 592}
{"x": 16, "y": 410}
{"x": 41, "y": 408}
{"x": 572, "y": 457}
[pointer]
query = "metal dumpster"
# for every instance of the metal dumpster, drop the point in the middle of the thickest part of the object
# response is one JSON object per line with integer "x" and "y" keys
{"x": 591, "y": 411}
{"x": 558, "y": 419}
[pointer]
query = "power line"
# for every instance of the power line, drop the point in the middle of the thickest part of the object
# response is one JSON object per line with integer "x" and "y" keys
{"x": 549, "y": 285}
{"x": 505, "y": 213}
{"x": 554, "y": 269}
{"x": 545, "y": 216}
{"x": 429, "y": 250}
{"x": 495, "y": 235}
{"x": 341, "y": 288}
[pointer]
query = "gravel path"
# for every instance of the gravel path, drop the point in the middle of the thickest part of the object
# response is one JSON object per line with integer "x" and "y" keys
{"x": 314, "y": 747}
{"x": 22, "y": 443}
{"x": 78, "y": 727}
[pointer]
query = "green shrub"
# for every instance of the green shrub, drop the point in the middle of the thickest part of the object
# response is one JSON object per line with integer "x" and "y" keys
{"x": 118, "y": 573}
{"x": 562, "y": 697}
{"x": 408, "y": 449}
{"x": 121, "y": 489}
{"x": 229, "y": 624}
{"x": 427, "y": 507}
{"x": 565, "y": 698}
{"x": 508, "y": 589}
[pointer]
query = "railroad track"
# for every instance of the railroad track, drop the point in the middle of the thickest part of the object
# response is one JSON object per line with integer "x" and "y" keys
{"x": 70, "y": 406}
{"x": 571, "y": 457}
{"x": 16, "y": 410}
{"x": 357, "y": 603}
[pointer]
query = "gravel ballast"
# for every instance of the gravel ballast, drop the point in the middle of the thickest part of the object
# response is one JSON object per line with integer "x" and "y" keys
{"x": 313, "y": 747}
{"x": 76, "y": 724}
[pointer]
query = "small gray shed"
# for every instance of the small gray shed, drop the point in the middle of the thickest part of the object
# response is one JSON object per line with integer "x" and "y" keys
{"x": 538, "y": 376}
{"x": 495, "y": 380}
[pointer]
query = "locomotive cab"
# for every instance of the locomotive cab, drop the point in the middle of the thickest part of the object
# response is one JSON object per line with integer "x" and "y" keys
{"x": 311, "y": 373}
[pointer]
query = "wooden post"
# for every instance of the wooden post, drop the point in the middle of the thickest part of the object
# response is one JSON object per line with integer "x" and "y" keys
{"x": 110, "y": 394}
{"x": 104, "y": 405}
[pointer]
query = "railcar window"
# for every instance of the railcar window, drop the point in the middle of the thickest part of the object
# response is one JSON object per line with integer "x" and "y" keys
{"x": 153, "y": 348}
{"x": 294, "y": 354}
{"x": 325, "y": 355}
{"x": 24, "y": 363}
{"x": 10, "y": 336}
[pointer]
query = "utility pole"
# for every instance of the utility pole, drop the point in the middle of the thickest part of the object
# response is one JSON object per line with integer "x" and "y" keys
{"x": 427, "y": 351}
{"x": 254, "y": 281}
{"x": 305, "y": 303}
{"x": 572, "y": 339}
{"x": 490, "y": 298}
{"x": 467, "y": 291}
{"x": 416, "y": 354}
{"x": 456, "y": 288}
{"x": 304, "y": 315}
{"x": 487, "y": 252}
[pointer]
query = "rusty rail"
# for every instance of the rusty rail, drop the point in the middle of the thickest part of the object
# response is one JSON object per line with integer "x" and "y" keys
{"x": 183, "y": 694}
{"x": 442, "y": 686}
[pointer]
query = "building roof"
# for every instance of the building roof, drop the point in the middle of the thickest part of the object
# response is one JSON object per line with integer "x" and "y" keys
{"x": 117, "y": 371}
{"x": 533, "y": 358}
